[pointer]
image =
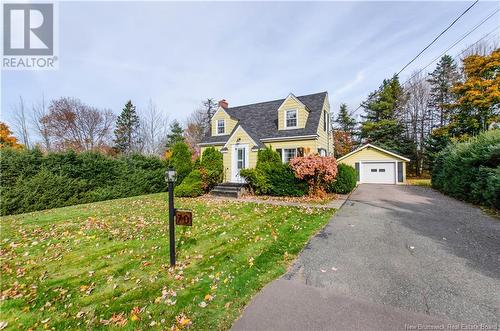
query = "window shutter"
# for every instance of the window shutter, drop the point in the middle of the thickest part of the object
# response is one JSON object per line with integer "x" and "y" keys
{"x": 280, "y": 152}
{"x": 356, "y": 165}
{"x": 324, "y": 121}
{"x": 400, "y": 172}
{"x": 300, "y": 151}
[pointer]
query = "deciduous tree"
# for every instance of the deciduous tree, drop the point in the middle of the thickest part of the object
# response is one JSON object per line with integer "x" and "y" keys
{"x": 478, "y": 96}
{"x": 73, "y": 124}
{"x": 6, "y": 137}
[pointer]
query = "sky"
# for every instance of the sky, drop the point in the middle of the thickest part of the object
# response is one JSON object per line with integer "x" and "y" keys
{"x": 177, "y": 54}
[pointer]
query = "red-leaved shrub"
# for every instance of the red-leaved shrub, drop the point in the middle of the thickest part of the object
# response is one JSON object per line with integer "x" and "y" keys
{"x": 316, "y": 170}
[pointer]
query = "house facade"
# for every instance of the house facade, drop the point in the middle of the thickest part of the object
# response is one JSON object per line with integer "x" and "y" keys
{"x": 293, "y": 126}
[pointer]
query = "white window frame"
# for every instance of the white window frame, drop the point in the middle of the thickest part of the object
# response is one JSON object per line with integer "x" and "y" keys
{"x": 283, "y": 154}
{"x": 223, "y": 126}
{"x": 296, "y": 118}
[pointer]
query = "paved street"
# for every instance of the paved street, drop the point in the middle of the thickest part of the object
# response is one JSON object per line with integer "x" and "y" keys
{"x": 392, "y": 253}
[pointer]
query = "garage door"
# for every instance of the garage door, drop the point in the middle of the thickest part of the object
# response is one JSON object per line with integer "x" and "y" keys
{"x": 379, "y": 173}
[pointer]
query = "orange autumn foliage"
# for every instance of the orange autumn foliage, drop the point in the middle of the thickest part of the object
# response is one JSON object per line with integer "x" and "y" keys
{"x": 316, "y": 170}
{"x": 7, "y": 139}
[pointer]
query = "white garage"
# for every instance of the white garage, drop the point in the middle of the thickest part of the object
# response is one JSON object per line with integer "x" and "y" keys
{"x": 378, "y": 173}
{"x": 376, "y": 165}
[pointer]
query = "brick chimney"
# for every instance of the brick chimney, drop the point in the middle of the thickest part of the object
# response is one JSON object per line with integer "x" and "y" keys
{"x": 223, "y": 103}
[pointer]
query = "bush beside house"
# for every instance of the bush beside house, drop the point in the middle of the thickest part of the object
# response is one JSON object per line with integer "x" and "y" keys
{"x": 317, "y": 171}
{"x": 470, "y": 170}
{"x": 207, "y": 174}
{"x": 191, "y": 186}
{"x": 272, "y": 177}
{"x": 345, "y": 181}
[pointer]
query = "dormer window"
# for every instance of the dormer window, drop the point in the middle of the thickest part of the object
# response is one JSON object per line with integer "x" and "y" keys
{"x": 291, "y": 119}
{"x": 221, "y": 126}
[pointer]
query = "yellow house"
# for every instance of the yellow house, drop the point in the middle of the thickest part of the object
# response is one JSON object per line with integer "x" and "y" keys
{"x": 294, "y": 126}
{"x": 377, "y": 165}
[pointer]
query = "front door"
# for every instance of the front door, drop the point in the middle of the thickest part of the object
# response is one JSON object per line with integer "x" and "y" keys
{"x": 240, "y": 161}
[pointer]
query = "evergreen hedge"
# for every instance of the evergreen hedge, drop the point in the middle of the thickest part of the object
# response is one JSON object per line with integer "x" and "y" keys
{"x": 32, "y": 181}
{"x": 470, "y": 170}
{"x": 345, "y": 181}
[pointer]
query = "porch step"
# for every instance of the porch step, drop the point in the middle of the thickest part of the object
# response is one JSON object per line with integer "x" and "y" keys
{"x": 232, "y": 190}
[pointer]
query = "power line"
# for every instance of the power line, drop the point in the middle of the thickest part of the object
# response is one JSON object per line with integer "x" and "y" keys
{"x": 442, "y": 32}
{"x": 463, "y": 51}
{"x": 458, "y": 41}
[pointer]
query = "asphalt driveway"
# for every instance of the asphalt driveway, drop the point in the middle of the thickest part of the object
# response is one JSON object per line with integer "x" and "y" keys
{"x": 395, "y": 255}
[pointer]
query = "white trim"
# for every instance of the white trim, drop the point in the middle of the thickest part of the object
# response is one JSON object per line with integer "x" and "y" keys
{"x": 234, "y": 162}
{"x": 292, "y": 96}
{"x": 217, "y": 127}
{"x": 315, "y": 136}
{"x": 215, "y": 143}
{"x": 238, "y": 128}
{"x": 296, "y": 118}
{"x": 283, "y": 153}
{"x": 377, "y": 148}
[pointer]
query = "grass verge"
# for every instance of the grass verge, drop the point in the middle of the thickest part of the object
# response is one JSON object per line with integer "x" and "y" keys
{"x": 105, "y": 265}
{"x": 426, "y": 182}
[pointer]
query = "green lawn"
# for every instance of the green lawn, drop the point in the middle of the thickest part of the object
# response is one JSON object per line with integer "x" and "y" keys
{"x": 419, "y": 182}
{"x": 105, "y": 265}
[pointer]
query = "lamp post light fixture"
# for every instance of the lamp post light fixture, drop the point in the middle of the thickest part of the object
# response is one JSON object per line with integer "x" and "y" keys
{"x": 170, "y": 177}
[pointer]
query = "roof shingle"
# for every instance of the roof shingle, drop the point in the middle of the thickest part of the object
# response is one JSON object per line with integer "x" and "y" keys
{"x": 260, "y": 120}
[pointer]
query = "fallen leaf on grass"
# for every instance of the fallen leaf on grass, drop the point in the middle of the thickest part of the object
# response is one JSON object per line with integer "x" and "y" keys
{"x": 182, "y": 321}
{"x": 3, "y": 325}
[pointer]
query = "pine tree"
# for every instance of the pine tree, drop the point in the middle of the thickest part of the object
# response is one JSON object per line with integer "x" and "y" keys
{"x": 127, "y": 136}
{"x": 442, "y": 80}
{"x": 381, "y": 125}
{"x": 383, "y": 103}
{"x": 175, "y": 134}
{"x": 344, "y": 121}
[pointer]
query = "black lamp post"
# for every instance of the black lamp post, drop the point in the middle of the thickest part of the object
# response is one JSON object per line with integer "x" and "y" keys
{"x": 170, "y": 177}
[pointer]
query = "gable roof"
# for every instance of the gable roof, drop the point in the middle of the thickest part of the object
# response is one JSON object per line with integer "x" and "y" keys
{"x": 374, "y": 147}
{"x": 260, "y": 120}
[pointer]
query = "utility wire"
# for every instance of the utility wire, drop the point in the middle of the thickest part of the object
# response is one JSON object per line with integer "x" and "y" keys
{"x": 442, "y": 32}
{"x": 352, "y": 113}
{"x": 458, "y": 41}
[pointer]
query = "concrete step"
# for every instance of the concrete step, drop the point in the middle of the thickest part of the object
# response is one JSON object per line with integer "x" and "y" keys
{"x": 225, "y": 193}
{"x": 232, "y": 190}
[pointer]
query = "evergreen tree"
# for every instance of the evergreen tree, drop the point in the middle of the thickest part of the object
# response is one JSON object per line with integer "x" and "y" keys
{"x": 175, "y": 134}
{"x": 442, "y": 80}
{"x": 381, "y": 125}
{"x": 343, "y": 136}
{"x": 435, "y": 143}
{"x": 127, "y": 135}
{"x": 181, "y": 160}
{"x": 383, "y": 103}
{"x": 344, "y": 121}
